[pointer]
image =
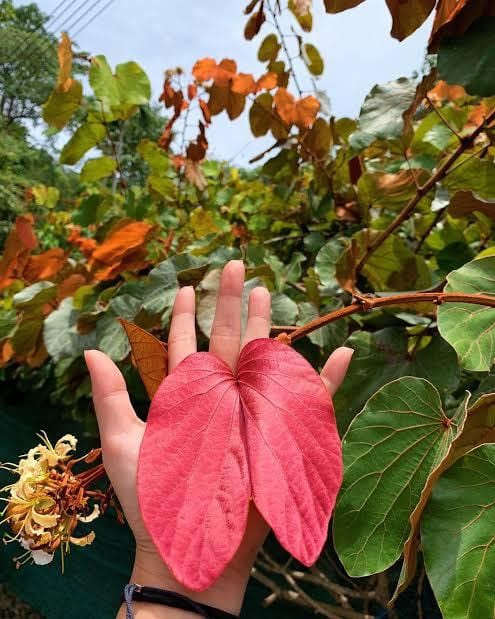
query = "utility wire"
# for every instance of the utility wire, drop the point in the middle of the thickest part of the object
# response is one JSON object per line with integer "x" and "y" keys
{"x": 84, "y": 26}
{"x": 29, "y": 35}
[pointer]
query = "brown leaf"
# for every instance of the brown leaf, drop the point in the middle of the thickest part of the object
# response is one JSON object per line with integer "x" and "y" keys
{"x": 453, "y": 18}
{"x": 192, "y": 91}
{"x": 254, "y": 24}
{"x": 195, "y": 175}
{"x": 336, "y": 6}
{"x": 149, "y": 355}
{"x": 260, "y": 114}
{"x": 306, "y": 111}
{"x": 318, "y": 140}
{"x": 408, "y": 16}
{"x": 285, "y": 105}
{"x": 64, "y": 79}
{"x": 6, "y": 352}
{"x": 45, "y": 265}
{"x": 235, "y": 104}
{"x": 25, "y": 231}
{"x": 421, "y": 89}
{"x": 476, "y": 427}
{"x": 196, "y": 151}
{"x": 69, "y": 286}
{"x": 464, "y": 203}
{"x": 225, "y": 72}
{"x": 205, "y": 111}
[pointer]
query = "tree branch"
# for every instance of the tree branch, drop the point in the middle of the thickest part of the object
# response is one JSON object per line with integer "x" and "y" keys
{"x": 364, "y": 304}
{"x": 440, "y": 174}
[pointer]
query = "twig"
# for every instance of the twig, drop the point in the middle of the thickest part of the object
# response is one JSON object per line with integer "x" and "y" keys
{"x": 284, "y": 46}
{"x": 440, "y": 174}
{"x": 442, "y": 118}
{"x": 364, "y": 304}
{"x": 426, "y": 233}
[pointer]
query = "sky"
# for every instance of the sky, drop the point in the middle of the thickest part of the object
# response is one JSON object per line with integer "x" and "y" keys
{"x": 159, "y": 34}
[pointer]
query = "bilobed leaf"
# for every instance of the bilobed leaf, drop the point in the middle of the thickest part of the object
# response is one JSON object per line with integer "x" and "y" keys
{"x": 383, "y": 356}
{"x": 284, "y": 310}
{"x": 469, "y": 59}
{"x": 470, "y": 328}
{"x": 96, "y": 169}
{"x": 133, "y": 84}
{"x": 60, "y": 333}
{"x": 111, "y": 337}
{"x": 457, "y": 533}
{"x": 86, "y": 137}
{"x": 475, "y": 426}
{"x": 464, "y": 203}
{"x": 35, "y": 296}
{"x": 408, "y": 16}
{"x": 267, "y": 432}
{"x": 149, "y": 354}
{"x": 335, "y": 6}
{"x": 389, "y": 451}
{"x": 326, "y": 261}
{"x": 313, "y": 59}
{"x": 103, "y": 82}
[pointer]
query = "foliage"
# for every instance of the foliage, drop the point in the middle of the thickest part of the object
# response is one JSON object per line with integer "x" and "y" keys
{"x": 381, "y": 224}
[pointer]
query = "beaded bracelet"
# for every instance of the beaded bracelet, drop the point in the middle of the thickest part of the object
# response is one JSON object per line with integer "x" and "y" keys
{"x": 138, "y": 593}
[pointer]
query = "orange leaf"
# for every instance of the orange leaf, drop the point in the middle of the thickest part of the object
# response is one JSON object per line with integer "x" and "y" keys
{"x": 285, "y": 105}
{"x": 226, "y": 70}
{"x": 17, "y": 248}
{"x": 204, "y": 69}
{"x": 306, "y": 111}
{"x": 6, "y": 352}
{"x": 243, "y": 84}
{"x": 149, "y": 355}
{"x": 444, "y": 92}
{"x": 45, "y": 265}
{"x": 65, "y": 80}
{"x": 70, "y": 285}
{"x": 123, "y": 249}
{"x": 267, "y": 82}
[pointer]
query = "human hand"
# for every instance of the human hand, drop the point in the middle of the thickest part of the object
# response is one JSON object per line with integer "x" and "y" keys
{"x": 121, "y": 431}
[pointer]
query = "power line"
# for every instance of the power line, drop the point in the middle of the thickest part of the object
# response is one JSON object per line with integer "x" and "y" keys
{"x": 29, "y": 35}
{"x": 83, "y": 27}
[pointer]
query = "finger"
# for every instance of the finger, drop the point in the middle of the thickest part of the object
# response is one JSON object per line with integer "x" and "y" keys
{"x": 113, "y": 407}
{"x": 182, "y": 335}
{"x": 226, "y": 329}
{"x": 258, "y": 322}
{"x": 335, "y": 368}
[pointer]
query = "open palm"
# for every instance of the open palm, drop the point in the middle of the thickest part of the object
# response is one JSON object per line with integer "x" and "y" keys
{"x": 122, "y": 431}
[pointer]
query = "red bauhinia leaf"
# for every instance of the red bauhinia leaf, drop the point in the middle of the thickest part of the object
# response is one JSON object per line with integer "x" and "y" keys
{"x": 215, "y": 440}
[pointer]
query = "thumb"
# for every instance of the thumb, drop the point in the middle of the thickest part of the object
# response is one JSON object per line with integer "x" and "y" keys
{"x": 336, "y": 367}
{"x": 113, "y": 407}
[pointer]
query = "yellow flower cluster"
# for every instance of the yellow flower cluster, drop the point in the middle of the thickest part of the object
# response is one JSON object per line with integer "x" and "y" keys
{"x": 48, "y": 500}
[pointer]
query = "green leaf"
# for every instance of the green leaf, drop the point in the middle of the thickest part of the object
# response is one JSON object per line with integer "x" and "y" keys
{"x": 269, "y": 49}
{"x": 381, "y": 114}
{"x": 8, "y": 320}
{"x": 470, "y": 328}
{"x": 133, "y": 84}
{"x": 285, "y": 273}
{"x": 284, "y": 309}
{"x": 103, "y": 83}
{"x": 389, "y": 451}
{"x": 475, "y": 174}
{"x": 312, "y": 59}
{"x": 469, "y": 60}
{"x": 87, "y": 136}
{"x": 26, "y": 333}
{"x": 326, "y": 261}
{"x": 154, "y": 156}
{"x": 305, "y": 20}
{"x": 96, "y": 169}
{"x": 383, "y": 356}
{"x": 125, "y": 306}
{"x": 336, "y": 6}
{"x": 61, "y": 106}
{"x": 111, "y": 337}
{"x": 162, "y": 288}
{"x": 330, "y": 336}
{"x": 60, "y": 333}
{"x": 457, "y": 535}
{"x": 35, "y": 296}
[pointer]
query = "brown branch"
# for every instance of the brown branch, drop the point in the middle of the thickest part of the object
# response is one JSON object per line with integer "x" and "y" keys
{"x": 365, "y": 304}
{"x": 439, "y": 175}
{"x": 442, "y": 118}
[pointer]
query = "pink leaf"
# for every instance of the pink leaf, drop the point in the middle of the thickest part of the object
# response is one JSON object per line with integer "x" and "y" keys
{"x": 214, "y": 440}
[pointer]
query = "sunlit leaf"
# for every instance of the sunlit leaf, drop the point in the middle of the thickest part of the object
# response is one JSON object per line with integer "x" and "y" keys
{"x": 96, "y": 169}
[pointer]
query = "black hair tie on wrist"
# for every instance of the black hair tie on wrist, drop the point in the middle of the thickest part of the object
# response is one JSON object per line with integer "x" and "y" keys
{"x": 137, "y": 593}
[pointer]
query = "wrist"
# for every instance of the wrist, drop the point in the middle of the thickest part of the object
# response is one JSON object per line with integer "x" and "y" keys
{"x": 226, "y": 594}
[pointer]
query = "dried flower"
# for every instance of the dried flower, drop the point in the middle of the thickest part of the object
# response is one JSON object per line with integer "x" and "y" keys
{"x": 48, "y": 500}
